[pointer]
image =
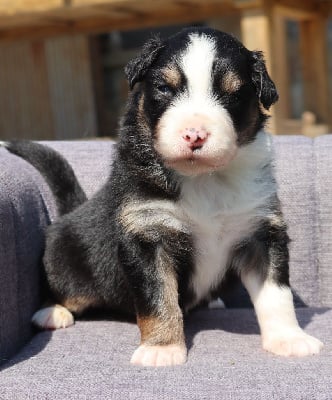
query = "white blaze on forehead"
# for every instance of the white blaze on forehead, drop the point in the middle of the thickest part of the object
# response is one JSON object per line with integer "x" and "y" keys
{"x": 197, "y": 62}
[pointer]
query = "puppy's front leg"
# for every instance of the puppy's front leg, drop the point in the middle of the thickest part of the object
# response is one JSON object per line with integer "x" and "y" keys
{"x": 281, "y": 333}
{"x": 152, "y": 277}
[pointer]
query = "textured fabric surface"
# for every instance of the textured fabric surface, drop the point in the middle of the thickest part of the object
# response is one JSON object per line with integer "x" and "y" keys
{"x": 295, "y": 172}
{"x": 323, "y": 171}
{"x": 91, "y": 361}
{"x": 23, "y": 218}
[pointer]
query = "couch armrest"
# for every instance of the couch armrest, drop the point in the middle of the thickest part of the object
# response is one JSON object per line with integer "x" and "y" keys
{"x": 23, "y": 218}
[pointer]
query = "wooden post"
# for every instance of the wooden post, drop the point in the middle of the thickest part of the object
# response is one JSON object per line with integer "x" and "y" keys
{"x": 70, "y": 87}
{"x": 315, "y": 67}
{"x": 256, "y": 29}
{"x": 280, "y": 70}
{"x": 24, "y": 101}
{"x": 46, "y": 89}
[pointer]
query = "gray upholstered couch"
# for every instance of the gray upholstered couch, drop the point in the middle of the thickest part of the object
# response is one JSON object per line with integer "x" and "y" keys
{"x": 91, "y": 359}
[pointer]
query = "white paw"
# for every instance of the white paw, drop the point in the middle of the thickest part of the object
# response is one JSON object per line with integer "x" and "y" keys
{"x": 294, "y": 343}
{"x": 159, "y": 356}
{"x": 53, "y": 317}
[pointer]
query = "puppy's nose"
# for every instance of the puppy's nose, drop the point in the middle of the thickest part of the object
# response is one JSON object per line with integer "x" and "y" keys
{"x": 195, "y": 135}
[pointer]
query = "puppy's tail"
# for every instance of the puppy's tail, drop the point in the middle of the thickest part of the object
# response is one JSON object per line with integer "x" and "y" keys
{"x": 57, "y": 172}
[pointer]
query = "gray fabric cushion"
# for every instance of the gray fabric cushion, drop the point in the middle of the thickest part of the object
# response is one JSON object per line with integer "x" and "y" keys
{"x": 23, "y": 218}
{"x": 296, "y": 178}
{"x": 91, "y": 361}
{"x": 323, "y": 206}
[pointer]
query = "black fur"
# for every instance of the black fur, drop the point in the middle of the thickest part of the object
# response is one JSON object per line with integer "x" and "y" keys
{"x": 265, "y": 88}
{"x": 137, "y": 68}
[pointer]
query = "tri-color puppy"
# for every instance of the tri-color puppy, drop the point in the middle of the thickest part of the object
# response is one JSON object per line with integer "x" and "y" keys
{"x": 191, "y": 199}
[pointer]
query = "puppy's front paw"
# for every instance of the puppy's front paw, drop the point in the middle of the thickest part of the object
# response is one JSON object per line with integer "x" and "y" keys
{"x": 159, "y": 356}
{"x": 294, "y": 343}
{"x": 53, "y": 317}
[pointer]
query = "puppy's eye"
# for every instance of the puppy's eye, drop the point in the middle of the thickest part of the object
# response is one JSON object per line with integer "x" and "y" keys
{"x": 166, "y": 90}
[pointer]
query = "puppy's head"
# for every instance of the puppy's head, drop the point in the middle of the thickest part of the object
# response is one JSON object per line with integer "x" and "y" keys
{"x": 201, "y": 95}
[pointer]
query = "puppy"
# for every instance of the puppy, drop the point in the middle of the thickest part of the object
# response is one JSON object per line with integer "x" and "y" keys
{"x": 191, "y": 199}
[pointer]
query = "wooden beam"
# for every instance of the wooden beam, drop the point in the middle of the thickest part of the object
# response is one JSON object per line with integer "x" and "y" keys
{"x": 297, "y": 10}
{"x": 124, "y": 3}
{"x": 247, "y": 4}
{"x": 12, "y": 7}
{"x": 133, "y": 18}
{"x": 325, "y": 7}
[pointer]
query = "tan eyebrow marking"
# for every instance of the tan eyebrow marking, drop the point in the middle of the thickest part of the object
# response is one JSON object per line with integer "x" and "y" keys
{"x": 171, "y": 75}
{"x": 231, "y": 82}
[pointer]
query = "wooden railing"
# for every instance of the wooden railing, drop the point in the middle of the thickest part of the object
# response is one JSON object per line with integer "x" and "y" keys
{"x": 41, "y": 18}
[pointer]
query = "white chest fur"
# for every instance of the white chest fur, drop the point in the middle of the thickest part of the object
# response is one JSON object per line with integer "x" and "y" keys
{"x": 223, "y": 208}
{"x": 218, "y": 210}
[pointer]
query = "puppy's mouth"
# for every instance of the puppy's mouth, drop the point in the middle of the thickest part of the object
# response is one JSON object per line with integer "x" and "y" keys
{"x": 196, "y": 161}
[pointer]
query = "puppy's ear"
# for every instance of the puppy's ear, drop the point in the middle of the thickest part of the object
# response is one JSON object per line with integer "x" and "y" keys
{"x": 136, "y": 68}
{"x": 265, "y": 88}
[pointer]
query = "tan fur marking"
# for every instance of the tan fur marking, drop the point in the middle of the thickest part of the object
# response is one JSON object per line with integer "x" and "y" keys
{"x": 167, "y": 327}
{"x": 231, "y": 82}
{"x": 163, "y": 330}
{"x": 277, "y": 220}
{"x": 144, "y": 218}
{"x": 172, "y": 75}
{"x": 80, "y": 303}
